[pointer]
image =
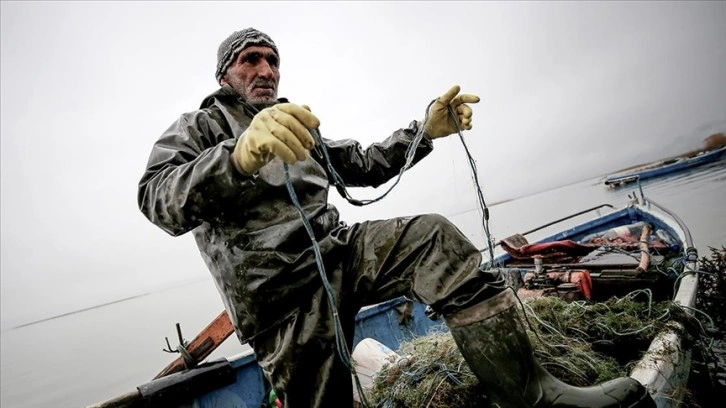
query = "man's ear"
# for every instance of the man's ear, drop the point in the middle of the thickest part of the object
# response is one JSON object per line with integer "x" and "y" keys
{"x": 223, "y": 81}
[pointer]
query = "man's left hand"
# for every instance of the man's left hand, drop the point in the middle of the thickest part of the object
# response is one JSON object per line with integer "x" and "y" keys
{"x": 440, "y": 123}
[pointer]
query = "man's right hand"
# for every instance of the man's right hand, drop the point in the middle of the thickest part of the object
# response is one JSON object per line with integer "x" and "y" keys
{"x": 280, "y": 130}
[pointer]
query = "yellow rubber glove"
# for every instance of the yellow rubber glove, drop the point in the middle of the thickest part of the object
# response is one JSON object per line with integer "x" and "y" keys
{"x": 440, "y": 123}
{"x": 280, "y": 130}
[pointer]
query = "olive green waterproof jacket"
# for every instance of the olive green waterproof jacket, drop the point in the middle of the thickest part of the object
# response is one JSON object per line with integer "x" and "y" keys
{"x": 250, "y": 234}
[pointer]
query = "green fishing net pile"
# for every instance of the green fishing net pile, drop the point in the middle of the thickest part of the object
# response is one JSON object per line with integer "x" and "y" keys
{"x": 579, "y": 343}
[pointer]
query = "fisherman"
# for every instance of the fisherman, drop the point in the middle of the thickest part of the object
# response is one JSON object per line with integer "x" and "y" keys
{"x": 221, "y": 172}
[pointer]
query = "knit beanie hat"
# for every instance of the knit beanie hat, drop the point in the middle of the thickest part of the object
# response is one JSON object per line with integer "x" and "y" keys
{"x": 236, "y": 42}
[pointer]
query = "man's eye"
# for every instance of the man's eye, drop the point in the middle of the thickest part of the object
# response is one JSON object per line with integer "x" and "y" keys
{"x": 252, "y": 58}
{"x": 273, "y": 60}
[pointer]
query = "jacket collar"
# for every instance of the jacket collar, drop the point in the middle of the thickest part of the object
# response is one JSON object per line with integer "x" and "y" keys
{"x": 228, "y": 96}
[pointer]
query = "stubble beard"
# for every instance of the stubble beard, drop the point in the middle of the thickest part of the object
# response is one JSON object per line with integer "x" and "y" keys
{"x": 259, "y": 102}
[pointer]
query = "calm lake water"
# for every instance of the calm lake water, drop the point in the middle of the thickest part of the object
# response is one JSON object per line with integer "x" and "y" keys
{"x": 87, "y": 357}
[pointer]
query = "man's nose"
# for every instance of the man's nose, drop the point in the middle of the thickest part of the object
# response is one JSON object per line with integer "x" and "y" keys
{"x": 264, "y": 70}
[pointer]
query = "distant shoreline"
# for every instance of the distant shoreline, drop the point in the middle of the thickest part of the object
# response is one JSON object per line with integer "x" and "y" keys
{"x": 77, "y": 311}
{"x": 85, "y": 309}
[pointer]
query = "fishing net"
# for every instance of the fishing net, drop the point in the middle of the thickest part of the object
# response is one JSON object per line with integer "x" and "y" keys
{"x": 579, "y": 343}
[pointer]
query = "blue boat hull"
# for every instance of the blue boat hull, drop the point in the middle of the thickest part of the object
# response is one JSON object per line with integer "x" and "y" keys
{"x": 676, "y": 167}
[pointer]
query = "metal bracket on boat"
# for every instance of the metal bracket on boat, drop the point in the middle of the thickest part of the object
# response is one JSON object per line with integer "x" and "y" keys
{"x": 189, "y": 360}
{"x": 642, "y": 200}
{"x": 431, "y": 313}
{"x": 691, "y": 254}
{"x": 640, "y": 188}
{"x": 405, "y": 312}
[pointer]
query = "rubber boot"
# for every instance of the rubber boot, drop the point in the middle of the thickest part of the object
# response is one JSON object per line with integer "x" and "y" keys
{"x": 493, "y": 342}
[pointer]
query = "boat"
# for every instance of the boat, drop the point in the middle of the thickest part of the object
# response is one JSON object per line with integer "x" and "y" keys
{"x": 666, "y": 167}
{"x": 561, "y": 263}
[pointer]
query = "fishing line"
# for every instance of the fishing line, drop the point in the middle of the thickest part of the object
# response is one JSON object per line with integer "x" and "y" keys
{"x": 340, "y": 343}
{"x": 337, "y": 180}
{"x": 480, "y": 196}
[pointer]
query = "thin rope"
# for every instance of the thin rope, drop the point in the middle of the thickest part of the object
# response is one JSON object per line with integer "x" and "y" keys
{"x": 480, "y": 196}
{"x": 410, "y": 154}
{"x": 337, "y": 180}
{"x": 341, "y": 344}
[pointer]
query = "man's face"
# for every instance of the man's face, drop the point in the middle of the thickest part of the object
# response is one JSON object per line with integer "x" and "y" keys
{"x": 255, "y": 74}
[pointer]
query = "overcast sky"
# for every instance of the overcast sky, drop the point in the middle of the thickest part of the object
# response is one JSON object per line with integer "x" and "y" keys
{"x": 569, "y": 91}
